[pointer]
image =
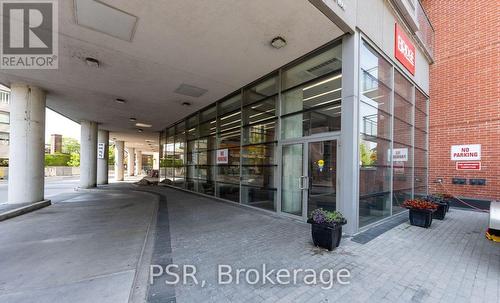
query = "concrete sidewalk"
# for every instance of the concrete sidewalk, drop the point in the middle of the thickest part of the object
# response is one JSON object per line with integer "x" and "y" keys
{"x": 84, "y": 248}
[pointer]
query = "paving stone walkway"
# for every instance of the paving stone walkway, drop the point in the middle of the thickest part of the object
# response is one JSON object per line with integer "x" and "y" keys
{"x": 449, "y": 262}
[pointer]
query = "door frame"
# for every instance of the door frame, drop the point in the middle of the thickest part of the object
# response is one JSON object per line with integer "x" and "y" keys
{"x": 333, "y": 136}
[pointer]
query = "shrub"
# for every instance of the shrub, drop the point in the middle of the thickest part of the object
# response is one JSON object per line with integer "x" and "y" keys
{"x": 57, "y": 159}
{"x": 74, "y": 160}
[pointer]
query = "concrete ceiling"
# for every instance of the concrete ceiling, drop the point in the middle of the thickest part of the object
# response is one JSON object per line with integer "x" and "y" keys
{"x": 217, "y": 45}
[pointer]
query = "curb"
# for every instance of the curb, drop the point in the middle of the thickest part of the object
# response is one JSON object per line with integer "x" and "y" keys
{"x": 24, "y": 210}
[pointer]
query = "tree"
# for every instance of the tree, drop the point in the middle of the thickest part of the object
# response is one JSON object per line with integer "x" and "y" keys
{"x": 111, "y": 154}
{"x": 70, "y": 145}
{"x": 74, "y": 160}
{"x": 368, "y": 157}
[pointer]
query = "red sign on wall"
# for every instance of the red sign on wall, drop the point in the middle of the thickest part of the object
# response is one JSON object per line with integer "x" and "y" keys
{"x": 404, "y": 50}
{"x": 468, "y": 165}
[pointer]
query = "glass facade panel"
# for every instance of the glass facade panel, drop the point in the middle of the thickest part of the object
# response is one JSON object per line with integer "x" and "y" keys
{"x": 323, "y": 63}
{"x": 321, "y": 92}
{"x": 375, "y": 127}
{"x": 263, "y": 89}
{"x": 374, "y": 122}
{"x": 260, "y": 111}
{"x": 292, "y": 172}
{"x": 229, "y": 105}
{"x": 260, "y": 133}
{"x": 248, "y": 125}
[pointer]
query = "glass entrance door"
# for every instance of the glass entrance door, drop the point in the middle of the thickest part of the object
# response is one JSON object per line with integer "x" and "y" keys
{"x": 309, "y": 177}
{"x": 293, "y": 179}
{"x": 322, "y": 176}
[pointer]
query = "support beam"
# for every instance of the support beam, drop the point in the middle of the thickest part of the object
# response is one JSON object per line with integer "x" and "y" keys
{"x": 138, "y": 162}
{"x": 131, "y": 161}
{"x": 102, "y": 162}
{"x": 27, "y": 144}
{"x": 119, "y": 155}
{"x": 88, "y": 154}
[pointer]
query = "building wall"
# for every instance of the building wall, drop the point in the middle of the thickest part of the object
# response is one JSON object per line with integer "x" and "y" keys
{"x": 376, "y": 19}
{"x": 465, "y": 93}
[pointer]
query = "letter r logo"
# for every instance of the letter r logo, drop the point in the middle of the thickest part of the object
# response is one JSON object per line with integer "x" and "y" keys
{"x": 27, "y": 27}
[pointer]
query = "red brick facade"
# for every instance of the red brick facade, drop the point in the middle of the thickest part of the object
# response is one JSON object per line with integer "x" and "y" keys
{"x": 465, "y": 93}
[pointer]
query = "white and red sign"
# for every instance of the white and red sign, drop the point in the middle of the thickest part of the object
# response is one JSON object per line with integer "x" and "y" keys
{"x": 404, "y": 50}
{"x": 476, "y": 165}
{"x": 400, "y": 155}
{"x": 399, "y": 168}
{"x": 470, "y": 152}
{"x": 222, "y": 156}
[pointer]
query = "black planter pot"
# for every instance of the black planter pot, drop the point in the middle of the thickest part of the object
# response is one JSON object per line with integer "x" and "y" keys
{"x": 420, "y": 217}
{"x": 326, "y": 235}
{"x": 440, "y": 212}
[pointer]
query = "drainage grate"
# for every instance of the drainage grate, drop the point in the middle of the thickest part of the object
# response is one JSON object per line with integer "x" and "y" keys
{"x": 372, "y": 233}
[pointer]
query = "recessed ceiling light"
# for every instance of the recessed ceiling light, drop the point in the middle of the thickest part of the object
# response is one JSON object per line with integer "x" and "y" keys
{"x": 186, "y": 104}
{"x": 132, "y": 119}
{"x": 120, "y": 100}
{"x": 92, "y": 62}
{"x": 278, "y": 42}
{"x": 140, "y": 130}
{"x": 143, "y": 125}
{"x": 148, "y": 140}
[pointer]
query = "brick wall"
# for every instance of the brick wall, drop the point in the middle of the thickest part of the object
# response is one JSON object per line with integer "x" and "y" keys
{"x": 465, "y": 92}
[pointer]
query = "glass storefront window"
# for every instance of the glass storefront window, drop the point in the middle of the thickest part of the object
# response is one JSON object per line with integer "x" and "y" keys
{"x": 230, "y": 122}
{"x": 260, "y": 133}
{"x": 321, "y": 120}
{"x": 375, "y": 136}
{"x": 323, "y": 63}
{"x": 263, "y": 89}
{"x": 260, "y": 111}
{"x": 230, "y": 104}
{"x": 208, "y": 114}
{"x": 374, "y": 122}
{"x": 322, "y": 92}
{"x": 207, "y": 128}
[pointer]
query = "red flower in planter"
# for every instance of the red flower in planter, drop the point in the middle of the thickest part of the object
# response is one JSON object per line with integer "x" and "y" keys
{"x": 419, "y": 204}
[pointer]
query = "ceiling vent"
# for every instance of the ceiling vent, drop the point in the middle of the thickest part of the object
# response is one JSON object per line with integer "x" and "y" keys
{"x": 105, "y": 19}
{"x": 189, "y": 90}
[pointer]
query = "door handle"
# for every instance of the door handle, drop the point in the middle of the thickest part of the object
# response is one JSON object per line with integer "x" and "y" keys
{"x": 303, "y": 186}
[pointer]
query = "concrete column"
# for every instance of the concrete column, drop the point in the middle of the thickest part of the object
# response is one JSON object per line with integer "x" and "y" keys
{"x": 138, "y": 162}
{"x": 27, "y": 144}
{"x": 119, "y": 155}
{"x": 156, "y": 160}
{"x": 131, "y": 161}
{"x": 102, "y": 162}
{"x": 88, "y": 154}
{"x": 348, "y": 198}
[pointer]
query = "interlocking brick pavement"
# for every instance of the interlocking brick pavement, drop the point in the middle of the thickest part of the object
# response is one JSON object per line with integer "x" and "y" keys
{"x": 449, "y": 262}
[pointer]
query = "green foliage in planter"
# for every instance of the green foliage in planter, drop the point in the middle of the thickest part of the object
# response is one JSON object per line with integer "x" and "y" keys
{"x": 4, "y": 162}
{"x": 57, "y": 159}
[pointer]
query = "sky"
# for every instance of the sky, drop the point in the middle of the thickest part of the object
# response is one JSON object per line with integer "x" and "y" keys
{"x": 58, "y": 124}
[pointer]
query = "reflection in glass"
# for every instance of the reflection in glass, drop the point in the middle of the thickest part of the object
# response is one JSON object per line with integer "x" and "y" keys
{"x": 263, "y": 89}
{"x": 292, "y": 172}
{"x": 321, "y": 64}
{"x": 322, "y": 176}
